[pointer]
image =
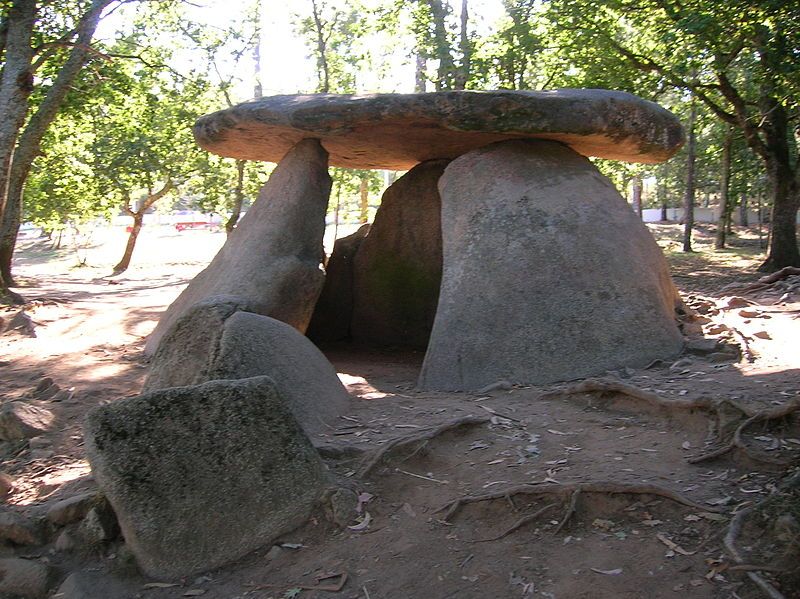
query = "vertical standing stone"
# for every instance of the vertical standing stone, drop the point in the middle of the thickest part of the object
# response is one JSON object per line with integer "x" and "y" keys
{"x": 548, "y": 274}
{"x": 334, "y": 310}
{"x": 398, "y": 267}
{"x": 272, "y": 259}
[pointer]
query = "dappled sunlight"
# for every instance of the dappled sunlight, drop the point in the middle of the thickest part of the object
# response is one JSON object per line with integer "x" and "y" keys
{"x": 360, "y": 387}
{"x": 38, "y": 486}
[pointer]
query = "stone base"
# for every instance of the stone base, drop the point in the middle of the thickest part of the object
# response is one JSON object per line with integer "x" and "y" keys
{"x": 548, "y": 274}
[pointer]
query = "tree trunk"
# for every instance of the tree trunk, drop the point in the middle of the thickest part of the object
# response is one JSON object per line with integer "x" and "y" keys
{"x": 662, "y": 199}
{"x": 364, "y": 206}
{"x": 323, "y": 71}
{"x": 743, "y": 216}
{"x": 138, "y": 221}
{"x": 238, "y": 198}
{"x": 688, "y": 198}
{"x": 783, "y": 249}
{"x": 12, "y": 180}
{"x": 724, "y": 189}
{"x": 9, "y": 227}
{"x": 637, "y": 195}
{"x": 445, "y": 73}
{"x": 464, "y": 68}
{"x": 16, "y": 85}
{"x": 760, "y": 221}
{"x": 122, "y": 265}
{"x": 419, "y": 74}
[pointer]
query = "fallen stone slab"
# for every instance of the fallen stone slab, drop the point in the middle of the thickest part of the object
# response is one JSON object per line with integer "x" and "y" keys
{"x": 397, "y": 131}
{"x": 273, "y": 257}
{"x": 19, "y": 420}
{"x": 398, "y": 267}
{"x": 548, "y": 274}
{"x": 245, "y": 345}
{"x": 200, "y": 476}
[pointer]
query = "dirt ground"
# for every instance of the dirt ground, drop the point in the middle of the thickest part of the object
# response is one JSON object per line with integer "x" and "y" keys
{"x": 639, "y": 543}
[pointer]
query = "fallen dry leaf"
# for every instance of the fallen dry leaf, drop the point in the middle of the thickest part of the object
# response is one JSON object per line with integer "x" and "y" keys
{"x": 613, "y": 572}
{"x": 674, "y": 546}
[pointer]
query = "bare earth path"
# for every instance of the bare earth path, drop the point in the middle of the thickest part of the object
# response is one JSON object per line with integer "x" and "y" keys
{"x": 89, "y": 335}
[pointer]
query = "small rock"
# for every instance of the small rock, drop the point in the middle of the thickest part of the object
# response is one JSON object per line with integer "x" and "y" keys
{"x": 24, "y": 578}
{"x": 43, "y": 385}
{"x": 702, "y": 346}
{"x": 6, "y": 485}
{"x": 72, "y": 509}
{"x": 21, "y": 324}
{"x": 497, "y": 386}
{"x": 99, "y": 525}
{"x": 91, "y": 585}
{"x": 343, "y": 504}
{"x": 22, "y": 421}
{"x": 692, "y": 329}
{"x": 39, "y": 443}
{"x": 274, "y": 553}
{"x": 762, "y": 335}
{"x": 65, "y": 541}
{"x": 786, "y": 528}
{"x": 18, "y": 529}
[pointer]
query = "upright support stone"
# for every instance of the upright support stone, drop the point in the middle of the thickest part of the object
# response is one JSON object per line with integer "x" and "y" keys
{"x": 334, "y": 310}
{"x": 398, "y": 267}
{"x": 548, "y": 274}
{"x": 272, "y": 259}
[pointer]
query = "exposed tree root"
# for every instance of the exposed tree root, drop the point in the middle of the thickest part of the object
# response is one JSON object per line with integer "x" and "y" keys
{"x": 737, "y": 443}
{"x": 767, "y": 281}
{"x": 573, "y": 504}
{"x": 607, "y": 386}
{"x": 419, "y": 437}
{"x": 518, "y": 524}
{"x": 572, "y": 490}
{"x": 732, "y": 418}
{"x": 734, "y": 529}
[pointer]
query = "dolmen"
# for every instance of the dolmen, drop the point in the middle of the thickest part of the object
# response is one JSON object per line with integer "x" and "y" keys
{"x": 502, "y": 252}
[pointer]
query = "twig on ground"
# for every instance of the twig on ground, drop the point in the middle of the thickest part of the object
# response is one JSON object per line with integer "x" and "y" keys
{"x": 421, "y": 436}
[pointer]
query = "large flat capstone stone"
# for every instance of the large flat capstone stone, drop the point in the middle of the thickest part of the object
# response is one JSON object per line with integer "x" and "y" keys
{"x": 397, "y": 131}
{"x": 204, "y": 346}
{"x": 272, "y": 259}
{"x": 200, "y": 476}
{"x": 548, "y": 274}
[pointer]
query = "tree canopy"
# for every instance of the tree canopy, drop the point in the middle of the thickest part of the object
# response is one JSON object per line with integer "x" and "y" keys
{"x": 94, "y": 124}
